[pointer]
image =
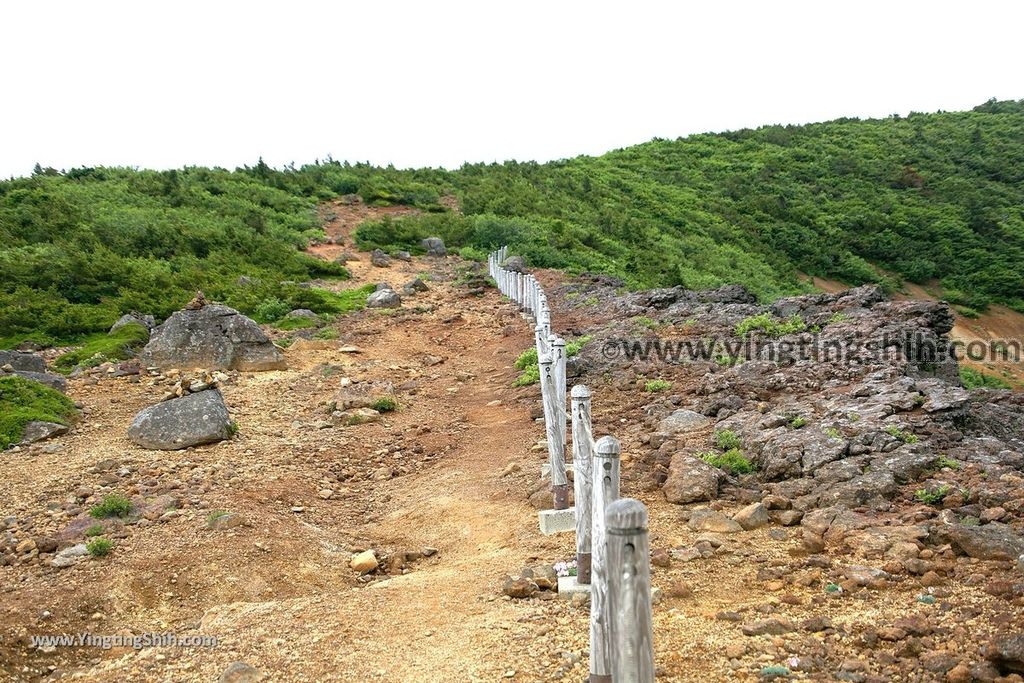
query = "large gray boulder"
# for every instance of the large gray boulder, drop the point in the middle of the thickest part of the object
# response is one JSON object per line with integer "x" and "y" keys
{"x": 191, "y": 420}
{"x": 19, "y": 360}
{"x": 211, "y": 337}
{"x": 517, "y": 264}
{"x": 434, "y": 246}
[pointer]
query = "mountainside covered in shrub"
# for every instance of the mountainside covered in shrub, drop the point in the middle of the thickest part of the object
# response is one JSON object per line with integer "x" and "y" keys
{"x": 929, "y": 196}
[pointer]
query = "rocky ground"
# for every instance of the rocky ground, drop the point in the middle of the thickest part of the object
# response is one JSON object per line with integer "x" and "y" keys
{"x": 260, "y": 540}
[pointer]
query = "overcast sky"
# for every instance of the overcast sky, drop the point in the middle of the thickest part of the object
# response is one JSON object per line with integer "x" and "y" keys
{"x": 167, "y": 84}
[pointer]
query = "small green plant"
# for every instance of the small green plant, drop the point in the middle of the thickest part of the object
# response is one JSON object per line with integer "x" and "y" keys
{"x": 233, "y": 427}
{"x": 327, "y": 333}
{"x": 653, "y": 385}
{"x": 99, "y": 547}
{"x": 798, "y": 422}
{"x": 113, "y": 505}
{"x": 726, "y": 440}
{"x": 833, "y": 433}
{"x": 644, "y": 321}
{"x": 732, "y": 461}
{"x": 771, "y": 327}
{"x": 897, "y": 433}
{"x": 945, "y": 461}
{"x": 967, "y": 312}
{"x": 727, "y": 361}
{"x": 833, "y": 588}
{"x": 838, "y": 318}
{"x": 932, "y": 496}
{"x": 94, "y": 530}
{"x": 385, "y": 404}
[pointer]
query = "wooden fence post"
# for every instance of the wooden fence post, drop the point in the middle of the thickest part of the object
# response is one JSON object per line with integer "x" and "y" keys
{"x": 629, "y": 592}
{"x": 556, "y": 440}
{"x": 606, "y": 490}
{"x": 582, "y": 481}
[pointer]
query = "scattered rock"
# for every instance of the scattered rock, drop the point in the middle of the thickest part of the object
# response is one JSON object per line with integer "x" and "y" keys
{"x": 38, "y": 431}
{"x": 69, "y": 556}
{"x": 384, "y": 298}
{"x": 240, "y": 672}
{"x": 520, "y": 587}
{"x": 683, "y": 420}
{"x": 754, "y": 516}
{"x": 364, "y": 562}
{"x": 380, "y": 259}
{"x": 768, "y": 627}
{"x": 1006, "y": 652}
{"x": 712, "y": 520}
{"x": 691, "y": 480}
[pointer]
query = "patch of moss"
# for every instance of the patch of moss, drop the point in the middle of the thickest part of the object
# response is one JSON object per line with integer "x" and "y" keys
{"x": 120, "y": 344}
{"x": 23, "y": 401}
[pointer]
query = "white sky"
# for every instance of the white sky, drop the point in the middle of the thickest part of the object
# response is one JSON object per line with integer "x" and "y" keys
{"x": 168, "y": 84}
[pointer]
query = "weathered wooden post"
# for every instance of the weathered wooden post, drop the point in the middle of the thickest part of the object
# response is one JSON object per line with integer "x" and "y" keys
{"x": 545, "y": 320}
{"x": 541, "y": 340}
{"x": 629, "y": 592}
{"x": 582, "y": 481}
{"x": 556, "y": 439}
{"x": 606, "y": 490}
{"x": 558, "y": 355}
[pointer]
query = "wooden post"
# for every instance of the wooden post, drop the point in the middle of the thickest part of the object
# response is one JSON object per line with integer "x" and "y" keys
{"x": 582, "y": 481}
{"x": 545, "y": 320}
{"x": 629, "y": 592}
{"x": 606, "y": 490}
{"x": 556, "y": 440}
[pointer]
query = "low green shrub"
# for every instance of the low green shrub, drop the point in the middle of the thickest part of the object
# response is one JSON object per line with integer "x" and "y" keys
{"x": 113, "y": 505}
{"x": 726, "y": 439}
{"x": 529, "y": 368}
{"x": 732, "y": 461}
{"x": 385, "y": 404}
{"x": 932, "y": 496}
{"x": 905, "y": 437}
{"x": 653, "y": 385}
{"x": 296, "y": 323}
{"x": 770, "y": 326}
{"x": 99, "y": 547}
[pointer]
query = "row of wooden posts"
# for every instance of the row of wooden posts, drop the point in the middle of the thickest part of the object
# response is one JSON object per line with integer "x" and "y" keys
{"x": 612, "y": 546}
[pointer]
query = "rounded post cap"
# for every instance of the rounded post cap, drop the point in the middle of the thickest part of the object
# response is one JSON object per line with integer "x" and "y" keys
{"x": 608, "y": 447}
{"x": 546, "y": 359}
{"x": 580, "y": 391}
{"x": 625, "y": 515}
{"x": 558, "y": 341}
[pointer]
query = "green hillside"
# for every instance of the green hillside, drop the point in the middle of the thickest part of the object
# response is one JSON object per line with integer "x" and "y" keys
{"x": 927, "y": 196}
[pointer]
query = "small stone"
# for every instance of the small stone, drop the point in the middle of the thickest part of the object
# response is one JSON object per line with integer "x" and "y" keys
{"x": 326, "y": 494}
{"x": 769, "y": 627}
{"x": 661, "y": 558}
{"x": 520, "y": 587}
{"x": 364, "y": 562}
{"x": 680, "y": 589}
{"x": 754, "y": 516}
{"x": 712, "y": 520}
{"x": 240, "y": 672}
